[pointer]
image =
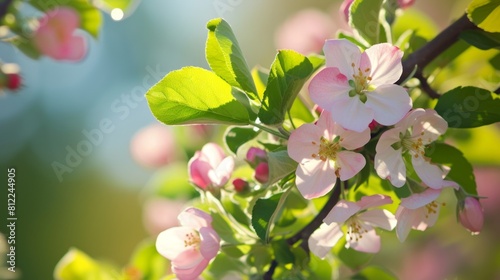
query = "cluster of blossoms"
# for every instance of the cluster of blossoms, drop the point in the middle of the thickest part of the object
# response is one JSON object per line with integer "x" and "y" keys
{"x": 356, "y": 91}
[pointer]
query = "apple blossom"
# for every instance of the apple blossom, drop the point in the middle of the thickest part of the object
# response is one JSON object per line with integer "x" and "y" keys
{"x": 191, "y": 246}
{"x": 418, "y": 211}
{"x": 210, "y": 167}
{"x": 471, "y": 214}
{"x": 55, "y": 36}
{"x": 154, "y": 146}
{"x": 357, "y": 88}
{"x": 411, "y": 135}
{"x": 322, "y": 151}
{"x": 360, "y": 222}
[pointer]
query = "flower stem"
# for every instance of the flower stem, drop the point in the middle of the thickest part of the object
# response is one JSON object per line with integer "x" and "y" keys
{"x": 269, "y": 130}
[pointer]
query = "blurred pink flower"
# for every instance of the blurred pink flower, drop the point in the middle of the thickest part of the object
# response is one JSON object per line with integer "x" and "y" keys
{"x": 471, "y": 215}
{"x": 191, "y": 246}
{"x": 160, "y": 214}
{"x": 357, "y": 88}
{"x": 361, "y": 235}
{"x": 55, "y": 36}
{"x": 411, "y": 135}
{"x": 322, "y": 151}
{"x": 210, "y": 167}
{"x": 154, "y": 146}
{"x": 255, "y": 156}
{"x": 406, "y": 3}
{"x": 305, "y": 32}
{"x": 418, "y": 211}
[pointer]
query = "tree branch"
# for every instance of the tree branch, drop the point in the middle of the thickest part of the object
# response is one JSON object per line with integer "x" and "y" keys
{"x": 426, "y": 54}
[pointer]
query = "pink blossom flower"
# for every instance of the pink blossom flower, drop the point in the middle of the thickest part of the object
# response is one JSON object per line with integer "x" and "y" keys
{"x": 322, "y": 151}
{"x": 191, "y": 246}
{"x": 411, "y": 136}
{"x": 357, "y": 88}
{"x": 154, "y": 146}
{"x": 305, "y": 31}
{"x": 418, "y": 211}
{"x": 255, "y": 156}
{"x": 471, "y": 215}
{"x": 361, "y": 235}
{"x": 55, "y": 36}
{"x": 210, "y": 167}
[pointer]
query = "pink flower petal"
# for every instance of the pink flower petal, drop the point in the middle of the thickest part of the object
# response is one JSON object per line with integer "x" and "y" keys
{"x": 370, "y": 243}
{"x": 380, "y": 218}
{"x": 170, "y": 243}
{"x": 213, "y": 154}
{"x": 349, "y": 163}
{"x": 198, "y": 171}
{"x": 418, "y": 200}
{"x": 342, "y": 211}
{"x": 315, "y": 178}
{"x": 352, "y": 140}
{"x": 342, "y": 54}
{"x": 324, "y": 238}
{"x": 372, "y": 201}
{"x": 389, "y": 164}
{"x": 76, "y": 48}
{"x": 386, "y": 66}
{"x": 195, "y": 218}
{"x": 389, "y": 103}
{"x": 326, "y": 86}
{"x": 300, "y": 143}
{"x": 351, "y": 113}
{"x": 223, "y": 171}
{"x": 188, "y": 258}
{"x": 410, "y": 118}
{"x": 210, "y": 243}
{"x": 190, "y": 273}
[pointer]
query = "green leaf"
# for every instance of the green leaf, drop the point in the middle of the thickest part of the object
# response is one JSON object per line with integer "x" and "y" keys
{"x": 282, "y": 252}
{"x": 226, "y": 58}
{"x": 481, "y": 39}
{"x": 262, "y": 213}
{"x": 25, "y": 46}
{"x": 235, "y": 137}
{"x": 260, "y": 76}
{"x": 485, "y": 14}
{"x": 223, "y": 265}
{"x": 194, "y": 95}
{"x": 90, "y": 16}
{"x": 373, "y": 273}
{"x": 364, "y": 17}
{"x": 148, "y": 261}
{"x": 223, "y": 228}
{"x": 123, "y": 5}
{"x": 461, "y": 170}
{"x": 467, "y": 107}
{"x": 289, "y": 71}
{"x": 495, "y": 61}
{"x": 76, "y": 265}
{"x": 280, "y": 165}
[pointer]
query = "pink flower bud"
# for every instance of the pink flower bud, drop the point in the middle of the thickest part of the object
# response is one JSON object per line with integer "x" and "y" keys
{"x": 256, "y": 155}
{"x": 210, "y": 167}
{"x": 240, "y": 185}
{"x": 55, "y": 36}
{"x": 13, "y": 81}
{"x": 262, "y": 172}
{"x": 344, "y": 9}
{"x": 405, "y": 3}
{"x": 471, "y": 215}
{"x": 373, "y": 125}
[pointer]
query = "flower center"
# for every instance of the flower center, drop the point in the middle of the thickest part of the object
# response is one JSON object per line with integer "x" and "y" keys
{"x": 432, "y": 208}
{"x": 192, "y": 239}
{"x": 327, "y": 149}
{"x": 415, "y": 146}
{"x": 355, "y": 230}
{"x": 360, "y": 83}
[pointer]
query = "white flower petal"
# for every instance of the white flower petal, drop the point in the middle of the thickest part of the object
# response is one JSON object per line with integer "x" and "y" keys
{"x": 351, "y": 113}
{"x": 342, "y": 211}
{"x": 380, "y": 218}
{"x": 351, "y": 139}
{"x": 386, "y": 66}
{"x": 418, "y": 200}
{"x": 300, "y": 143}
{"x": 405, "y": 218}
{"x": 389, "y": 164}
{"x": 430, "y": 173}
{"x": 324, "y": 238}
{"x": 341, "y": 54}
{"x": 315, "y": 178}
{"x": 369, "y": 243}
{"x": 349, "y": 164}
{"x": 327, "y": 85}
{"x": 389, "y": 103}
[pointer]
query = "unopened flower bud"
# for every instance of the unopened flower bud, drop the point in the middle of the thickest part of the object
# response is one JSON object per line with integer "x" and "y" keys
{"x": 262, "y": 172}
{"x": 471, "y": 215}
{"x": 256, "y": 155}
{"x": 240, "y": 185}
{"x": 405, "y": 3}
{"x": 13, "y": 81}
